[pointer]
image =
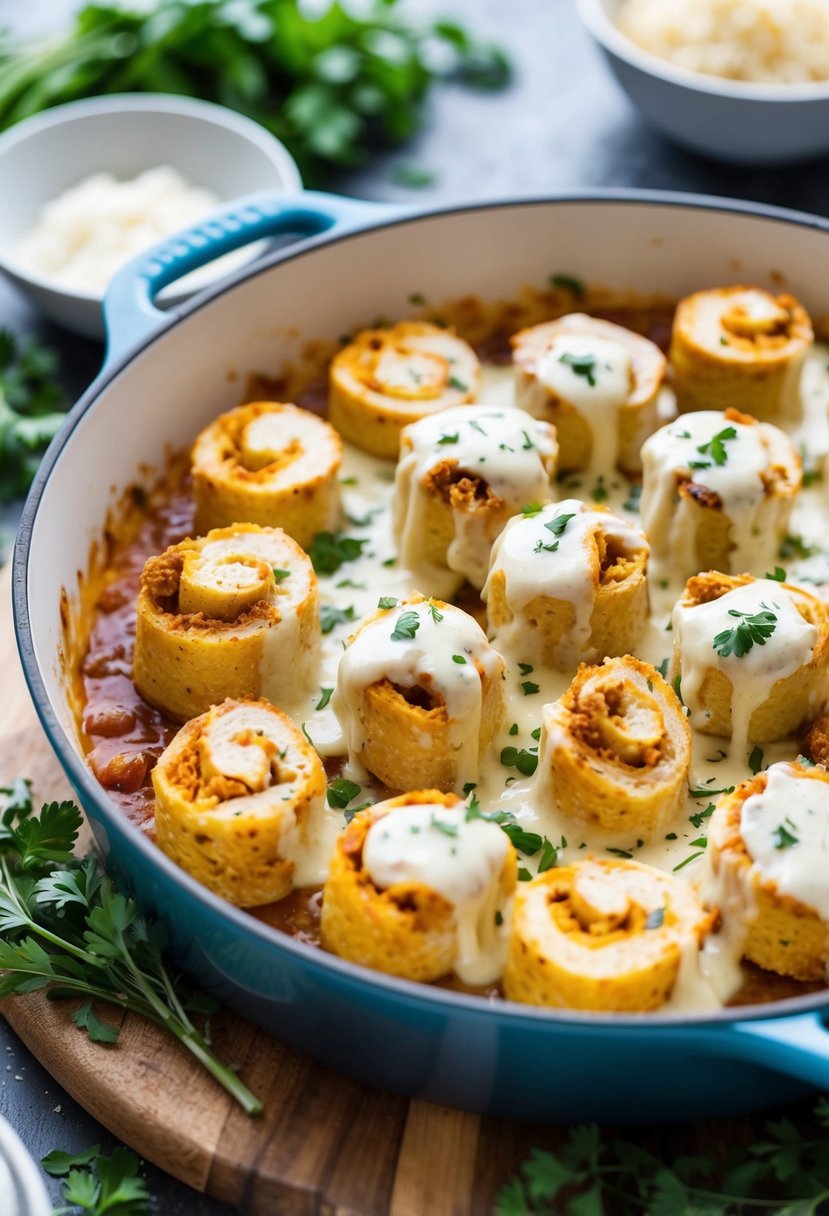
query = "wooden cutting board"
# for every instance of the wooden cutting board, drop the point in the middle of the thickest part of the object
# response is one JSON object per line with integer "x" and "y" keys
{"x": 325, "y": 1145}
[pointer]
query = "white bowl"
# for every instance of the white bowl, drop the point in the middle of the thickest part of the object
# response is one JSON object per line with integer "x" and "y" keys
{"x": 125, "y": 134}
{"x": 21, "y": 1183}
{"x": 730, "y": 120}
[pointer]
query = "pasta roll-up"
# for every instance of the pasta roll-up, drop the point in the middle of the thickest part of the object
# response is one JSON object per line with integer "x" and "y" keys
{"x": 231, "y": 614}
{"x": 752, "y": 654}
{"x": 717, "y": 493}
{"x": 419, "y": 888}
{"x": 607, "y": 936}
{"x": 765, "y": 869}
{"x": 568, "y": 583}
{"x": 461, "y": 475}
{"x": 271, "y": 464}
{"x": 740, "y": 347}
{"x": 419, "y": 696}
{"x": 596, "y": 382}
{"x": 388, "y": 378}
{"x": 236, "y": 791}
{"x": 615, "y": 749}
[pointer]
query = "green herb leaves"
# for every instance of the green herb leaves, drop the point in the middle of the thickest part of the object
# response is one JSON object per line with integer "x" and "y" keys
{"x": 786, "y": 834}
{"x": 406, "y": 626}
{"x": 715, "y": 449}
{"x": 31, "y": 407}
{"x": 66, "y": 927}
{"x": 330, "y": 616}
{"x": 340, "y": 792}
{"x": 581, "y": 365}
{"x": 330, "y": 550}
{"x": 109, "y": 1186}
{"x": 755, "y": 628}
{"x": 519, "y": 757}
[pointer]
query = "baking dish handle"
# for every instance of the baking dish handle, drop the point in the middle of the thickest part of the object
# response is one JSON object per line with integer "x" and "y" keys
{"x": 796, "y": 1046}
{"x": 130, "y": 314}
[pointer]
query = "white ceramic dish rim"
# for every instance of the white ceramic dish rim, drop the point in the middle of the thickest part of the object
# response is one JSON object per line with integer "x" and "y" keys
{"x": 595, "y": 16}
{"x": 151, "y": 103}
{"x": 88, "y": 788}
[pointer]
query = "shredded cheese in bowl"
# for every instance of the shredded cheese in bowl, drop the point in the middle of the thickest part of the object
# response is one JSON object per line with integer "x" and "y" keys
{"x": 83, "y": 236}
{"x": 760, "y": 41}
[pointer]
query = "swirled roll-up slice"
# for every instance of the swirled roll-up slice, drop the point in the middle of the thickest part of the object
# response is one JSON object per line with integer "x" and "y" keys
{"x": 461, "y": 475}
{"x": 740, "y": 347}
{"x": 231, "y": 614}
{"x": 419, "y": 695}
{"x": 607, "y": 936}
{"x": 271, "y": 464}
{"x": 235, "y": 793}
{"x": 567, "y": 584}
{"x": 596, "y": 382}
{"x": 420, "y": 888}
{"x": 766, "y": 866}
{"x": 717, "y": 493}
{"x": 387, "y": 378}
{"x": 752, "y": 654}
{"x": 615, "y": 749}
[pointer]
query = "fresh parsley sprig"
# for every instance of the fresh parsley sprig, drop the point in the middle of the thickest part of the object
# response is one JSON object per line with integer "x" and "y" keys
{"x": 715, "y": 449}
{"x": 99, "y": 1185}
{"x": 66, "y": 928}
{"x": 785, "y": 1174}
{"x": 754, "y": 629}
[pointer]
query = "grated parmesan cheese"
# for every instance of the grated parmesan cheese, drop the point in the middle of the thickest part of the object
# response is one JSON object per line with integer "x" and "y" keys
{"x": 762, "y": 41}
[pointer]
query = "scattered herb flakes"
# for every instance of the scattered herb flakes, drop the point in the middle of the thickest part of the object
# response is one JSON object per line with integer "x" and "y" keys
{"x": 525, "y": 669}
{"x": 619, "y": 853}
{"x": 458, "y": 658}
{"x": 634, "y": 498}
{"x": 349, "y": 582}
{"x": 778, "y": 574}
{"x": 755, "y": 628}
{"x": 709, "y": 793}
{"x": 755, "y": 760}
{"x": 795, "y": 546}
{"x": 444, "y": 439}
{"x": 531, "y": 508}
{"x": 436, "y": 614}
{"x": 444, "y": 825}
{"x": 536, "y": 734}
{"x": 324, "y": 698}
{"x": 558, "y": 525}
{"x": 676, "y": 685}
{"x": 687, "y": 860}
{"x": 528, "y": 444}
{"x": 581, "y": 365}
{"x": 280, "y": 575}
{"x": 525, "y": 842}
{"x": 785, "y": 835}
{"x": 513, "y": 730}
{"x": 390, "y": 561}
{"x": 340, "y": 792}
{"x": 457, "y": 384}
{"x": 349, "y": 481}
{"x": 406, "y": 627}
{"x": 566, "y": 282}
{"x": 525, "y": 761}
{"x": 529, "y": 688}
{"x": 663, "y": 668}
{"x": 330, "y": 550}
{"x": 549, "y": 856}
{"x": 387, "y": 601}
{"x": 331, "y": 616}
{"x": 715, "y": 446}
{"x": 599, "y": 491}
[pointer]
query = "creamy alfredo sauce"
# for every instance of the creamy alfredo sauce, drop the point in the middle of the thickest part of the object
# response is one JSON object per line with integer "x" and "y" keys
{"x": 462, "y": 860}
{"x": 594, "y": 375}
{"x": 355, "y": 588}
{"x": 511, "y": 452}
{"x": 731, "y": 459}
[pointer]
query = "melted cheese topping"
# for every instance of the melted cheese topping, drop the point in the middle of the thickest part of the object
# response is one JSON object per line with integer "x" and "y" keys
{"x": 513, "y": 454}
{"x": 553, "y": 553}
{"x": 744, "y": 460}
{"x": 786, "y": 833}
{"x": 593, "y": 374}
{"x": 753, "y": 674}
{"x": 460, "y": 859}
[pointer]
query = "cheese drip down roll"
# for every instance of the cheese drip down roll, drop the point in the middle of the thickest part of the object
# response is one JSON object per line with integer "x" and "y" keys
{"x": 615, "y": 750}
{"x": 231, "y": 614}
{"x": 270, "y": 464}
{"x": 752, "y": 657}
{"x": 388, "y": 378}
{"x": 740, "y": 347}
{"x": 717, "y": 493}
{"x": 236, "y": 792}
{"x": 461, "y": 475}
{"x": 596, "y": 382}
{"x": 568, "y": 583}
{"x": 607, "y": 936}
{"x": 419, "y": 696}
{"x": 766, "y": 866}
{"x": 419, "y": 888}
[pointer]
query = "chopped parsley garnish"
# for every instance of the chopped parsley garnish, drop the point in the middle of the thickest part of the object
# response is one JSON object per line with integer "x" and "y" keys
{"x": 363, "y": 521}
{"x": 581, "y": 365}
{"x": 557, "y": 525}
{"x": 528, "y": 443}
{"x": 687, "y": 860}
{"x": 599, "y": 491}
{"x": 454, "y": 382}
{"x": 513, "y": 730}
{"x": 632, "y": 501}
{"x": 280, "y": 575}
{"x": 709, "y": 793}
{"x": 715, "y": 448}
{"x": 566, "y": 282}
{"x": 525, "y": 842}
{"x": 778, "y": 574}
{"x": 448, "y": 829}
{"x": 524, "y": 875}
{"x": 330, "y": 616}
{"x": 525, "y": 761}
{"x": 795, "y": 546}
{"x": 458, "y": 658}
{"x": 407, "y": 626}
{"x": 620, "y": 853}
{"x": 528, "y": 688}
{"x": 549, "y": 855}
{"x": 340, "y": 792}
{"x": 755, "y": 760}
{"x": 536, "y": 734}
{"x": 387, "y": 601}
{"x": 349, "y": 582}
{"x": 329, "y": 550}
{"x": 444, "y": 439}
{"x": 437, "y": 615}
{"x": 655, "y": 919}
{"x": 755, "y": 628}
{"x": 784, "y": 836}
{"x": 325, "y": 698}
{"x": 476, "y": 426}
{"x": 676, "y": 685}
{"x": 531, "y": 508}
{"x": 525, "y": 668}
{"x": 663, "y": 667}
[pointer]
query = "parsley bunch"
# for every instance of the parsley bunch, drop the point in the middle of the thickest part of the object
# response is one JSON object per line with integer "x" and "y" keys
{"x": 65, "y": 927}
{"x": 331, "y": 83}
{"x": 32, "y": 407}
{"x": 785, "y": 1174}
{"x": 99, "y": 1185}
